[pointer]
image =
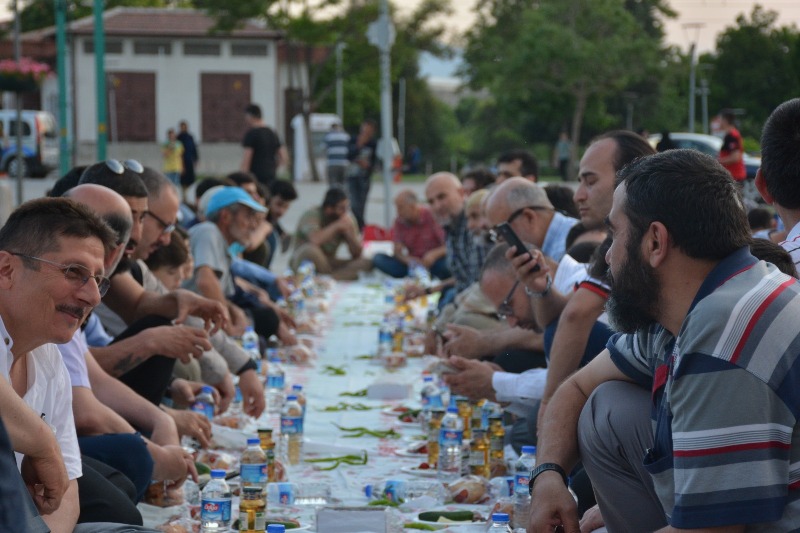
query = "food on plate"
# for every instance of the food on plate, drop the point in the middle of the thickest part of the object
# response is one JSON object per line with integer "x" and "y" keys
{"x": 469, "y": 489}
{"x": 216, "y": 460}
{"x": 409, "y": 416}
{"x": 498, "y": 469}
{"x": 504, "y": 505}
{"x": 424, "y": 466}
{"x": 159, "y": 495}
{"x": 418, "y": 447}
{"x": 229, "y": 421}
{"x": 394, "y": 360}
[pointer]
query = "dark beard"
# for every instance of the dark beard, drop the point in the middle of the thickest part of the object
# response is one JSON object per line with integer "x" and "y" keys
{"x": 633, "y": 301}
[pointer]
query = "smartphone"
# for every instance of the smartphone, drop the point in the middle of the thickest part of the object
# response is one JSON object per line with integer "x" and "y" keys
{"x": 443, "y": 368}
{"x": 511, "y": 238}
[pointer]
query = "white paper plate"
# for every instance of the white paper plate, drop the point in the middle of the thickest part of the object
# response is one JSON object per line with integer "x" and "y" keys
{"x": 416, "y": 471}
{"x": 408, "y": 451}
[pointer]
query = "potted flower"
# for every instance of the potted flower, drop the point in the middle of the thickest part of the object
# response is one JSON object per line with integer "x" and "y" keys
{"x": 23, "y": 76}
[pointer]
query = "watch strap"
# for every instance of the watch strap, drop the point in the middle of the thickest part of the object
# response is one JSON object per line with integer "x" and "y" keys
{"x": 544, "y": 467}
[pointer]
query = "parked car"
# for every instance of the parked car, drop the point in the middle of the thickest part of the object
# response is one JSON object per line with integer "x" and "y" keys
{"x": 709, "y": 144}
{"x": 39, "y": 142}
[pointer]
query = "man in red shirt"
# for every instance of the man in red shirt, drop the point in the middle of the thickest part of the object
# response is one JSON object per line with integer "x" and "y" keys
{"x": 418, "y": 238}
{"x": 731, "y": 155}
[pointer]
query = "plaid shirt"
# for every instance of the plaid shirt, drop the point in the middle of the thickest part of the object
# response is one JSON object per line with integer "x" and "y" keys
{"x": 419, "y": 238}
{"x": 464, "y": 256}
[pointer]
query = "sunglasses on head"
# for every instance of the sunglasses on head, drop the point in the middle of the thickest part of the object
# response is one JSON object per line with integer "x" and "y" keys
{"x": 118, "y": 167}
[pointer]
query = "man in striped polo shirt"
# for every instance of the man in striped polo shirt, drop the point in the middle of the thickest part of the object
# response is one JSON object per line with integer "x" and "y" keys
{"x": 778, "y": 179}
{"x": 711, "y": 334}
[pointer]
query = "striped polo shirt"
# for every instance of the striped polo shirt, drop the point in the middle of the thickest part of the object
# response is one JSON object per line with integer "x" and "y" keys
{"x": 725, "y": 400}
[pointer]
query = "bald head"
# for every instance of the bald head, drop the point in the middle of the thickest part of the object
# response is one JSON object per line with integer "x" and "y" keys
{"x": 407, "y": 206}
{"x": 516, "y": 193}
{"x": 445, "y": 195}
{"x": 112, "y": 208}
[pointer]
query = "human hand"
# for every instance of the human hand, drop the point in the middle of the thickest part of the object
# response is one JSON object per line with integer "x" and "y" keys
{"x": 253, "y": 402}
{"x": 413, "y": 291}
{"x": 227, "y": 392}
{"x": 473, "y": 379}
{"x": 285, "y": 335}
{"x": 193, "y": 425}
{"x": 45, "y": 476}
{"x": 283, "y": 284}
{"x": 238, "y": 321}
{"x": 464, "y": 341}
{"x": 180, "y": 342}
{"x": 170, "y": 464}
{"x": 212, "y": 312}
{"x": 429, "y": 259}
{"x": 183, "y": 392}
{"x": 525, "y": 266}
{"x": 591, "y": 520}
{"x": 554, "y": 506}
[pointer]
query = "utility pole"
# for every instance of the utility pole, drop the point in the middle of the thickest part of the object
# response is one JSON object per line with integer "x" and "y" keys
{"x": 704, "y": 103}
{"x": 100, "y": 79}
{"x": 401, "y": 115}
{"x": 697, "y": 26}
{"x": 61, "y": 67}
{"x": 381, "y": 34}
{"x": 339, "y": 84}
{"x": 18, "y": 102}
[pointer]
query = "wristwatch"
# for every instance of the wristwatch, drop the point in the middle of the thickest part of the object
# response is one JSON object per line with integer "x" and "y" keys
{"x": 544, "y": 467}
{"x": 545, "y": 292}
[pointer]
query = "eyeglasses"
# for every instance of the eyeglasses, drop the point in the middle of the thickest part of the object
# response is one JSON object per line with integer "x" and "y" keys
{"x": 504, "y": 309}
{"x": 118, "y": 167}
{"x": 494, "y": 235}
{"x": 78, "y": 275}
{"x": 166, "y": 228}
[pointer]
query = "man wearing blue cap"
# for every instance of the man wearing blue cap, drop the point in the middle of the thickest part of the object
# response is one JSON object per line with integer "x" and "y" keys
{"x": 232, "y": 216}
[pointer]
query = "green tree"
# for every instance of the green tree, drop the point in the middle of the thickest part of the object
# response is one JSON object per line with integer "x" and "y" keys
{"x": 38, "y": 14}
{"x": 538, "y": 58}
{"x": 757, "y": 66}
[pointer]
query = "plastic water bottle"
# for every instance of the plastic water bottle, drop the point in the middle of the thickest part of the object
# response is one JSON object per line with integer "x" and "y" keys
{"x": 272, "y": 347}
{"x": 204, "y": 402}
{"x": 451, "y": 436}
{"x": 250, "y": 345}
{"x": 275, "y": 384}
{"x": 252, "y": 510}
{"x": 500, "y": 523}
{"x": 253, "y": 465}
{"x": 292, "y": 429}
{"x": 401, "y": 490}
{"x": 215, "y": 504}
{"x": 385, "y": 338}
{"x": 522, "y": 475}
{"x": 430, "y": 398}
{"x": 297, "y": 390}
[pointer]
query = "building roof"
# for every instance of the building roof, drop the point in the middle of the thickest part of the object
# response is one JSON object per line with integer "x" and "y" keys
{"x": 157, "y": 22}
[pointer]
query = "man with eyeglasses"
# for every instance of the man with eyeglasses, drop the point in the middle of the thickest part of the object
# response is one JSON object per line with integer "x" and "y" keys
{"x": 52, "y": 255}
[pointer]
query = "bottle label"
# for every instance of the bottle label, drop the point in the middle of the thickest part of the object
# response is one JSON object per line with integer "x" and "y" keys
{"x": 251, "y": 520}
{"x": 254, "y": 473}
{"x": 435, "y": 401}
{"x": 272, "y": 353}
{"x": 204, "y": 408}
{"x": 285, "y": 494}
{"x": 450, "y": 437}
{"x": 393, "y": 490}
{"x": 477, "y": 458}
{"x": 216, "y": 510}
{"x": 521, "y": 482}
{"x": 275, "y": 382}
{"x": 291, "y": 425}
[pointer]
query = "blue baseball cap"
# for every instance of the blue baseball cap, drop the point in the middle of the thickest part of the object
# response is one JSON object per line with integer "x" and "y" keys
{"x": 228, "y": 196}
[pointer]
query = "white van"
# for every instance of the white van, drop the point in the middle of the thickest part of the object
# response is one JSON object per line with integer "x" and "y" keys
{"x": 39, "y": 142}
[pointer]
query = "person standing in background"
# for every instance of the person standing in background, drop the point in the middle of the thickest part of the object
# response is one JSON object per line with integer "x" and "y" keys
{"x": 190, "y": 155}
{"x": 337, "y": 142}
{"x": 731, "y": 155}
{"x": 172, "y": 151}
{"x": 561, "y": 155}
{"x": 362, "y": 162}
{"x": 263, "y": 151}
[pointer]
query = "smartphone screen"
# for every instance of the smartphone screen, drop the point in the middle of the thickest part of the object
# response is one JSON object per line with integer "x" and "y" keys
{"x": 511, "y": 238}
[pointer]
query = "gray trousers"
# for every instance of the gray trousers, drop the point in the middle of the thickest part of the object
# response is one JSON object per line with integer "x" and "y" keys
{"x": 613, "y": 433}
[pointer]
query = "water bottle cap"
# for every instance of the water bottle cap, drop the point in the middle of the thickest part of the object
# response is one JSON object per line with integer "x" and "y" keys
{"x": 452, "y": 409}
{"x": 250, "y": 442}
{"x": 529, "y": 449}
{"x": 208, "y": 389}
{"x": 218, "y": 474}
{"x": 297, "y": 387}
{"x": 248, "y": 329}
{"x": 276, "y": 528}
{"x": 291, "y": 398}
{"x": 500, "y": 517}
{"x": 427, "y": 378}
{"x": 274, "y": 359}
{"x": 368, "y": 491}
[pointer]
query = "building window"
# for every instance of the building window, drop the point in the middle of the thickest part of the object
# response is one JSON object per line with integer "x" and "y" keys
{"x": 249, "y": 50}
{"x": 113, "y": 47}
{"x": 201, "y": 49}
{"x": 152, "y": 48}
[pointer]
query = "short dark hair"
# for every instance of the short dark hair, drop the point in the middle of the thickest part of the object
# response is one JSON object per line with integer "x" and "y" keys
{"x": 35, "y": 227}
{"x": 574, "y": 232}
{"x": 496, "y": 260}
{"x": 630, "y": 146}
{"x": 728, "y": 115}
{"x": 780, "y": 154}
{"x": 333, "y": 197}
{"x": 66, "y": 182}
{"x": 206, "y": 184}
{"x": 175, "y": 254}
{"x": 284, "y": 189}
{"x": 583, "y": 251}
{"x": 482, "y": 176}
{"x": 240, "y": 177}
{"x": 774, "y": 253}
{"x": 693, "y": 196}
{"x": 561, "y": 198}
{"x": 528, "y": 164}
{"x": 759, "y": 218}
{"x": 129, "y": 183}
{"x": 254, "y": 110}
{"x": 154, "y": 181}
